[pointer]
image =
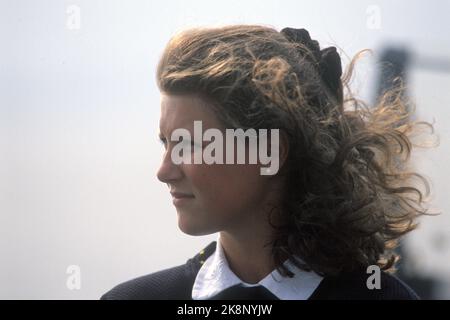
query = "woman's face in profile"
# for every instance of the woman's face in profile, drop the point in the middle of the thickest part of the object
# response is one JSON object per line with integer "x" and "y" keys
{"x": 208, "y": 197}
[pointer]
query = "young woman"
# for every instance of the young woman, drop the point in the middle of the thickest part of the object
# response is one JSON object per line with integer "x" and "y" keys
{"x": 322, "y": 220}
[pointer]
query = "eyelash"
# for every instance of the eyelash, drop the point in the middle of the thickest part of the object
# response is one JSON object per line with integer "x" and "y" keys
{"x": 163, "y": 141}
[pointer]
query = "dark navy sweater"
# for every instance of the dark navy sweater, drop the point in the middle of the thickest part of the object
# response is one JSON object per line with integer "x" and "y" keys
{"x": 176, "y": 284}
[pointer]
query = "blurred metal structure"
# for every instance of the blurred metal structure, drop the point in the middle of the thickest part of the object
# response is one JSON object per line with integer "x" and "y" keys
{"x": 396, "y": 64}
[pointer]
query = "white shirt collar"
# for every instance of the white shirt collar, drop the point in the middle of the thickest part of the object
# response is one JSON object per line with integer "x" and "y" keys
{"x": 215, "y": 276}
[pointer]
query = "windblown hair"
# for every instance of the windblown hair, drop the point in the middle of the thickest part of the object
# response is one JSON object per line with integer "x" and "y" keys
{"x": 350, "y": 192}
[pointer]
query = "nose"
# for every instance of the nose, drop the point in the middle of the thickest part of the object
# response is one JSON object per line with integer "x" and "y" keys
{"x": 168, "y": 171}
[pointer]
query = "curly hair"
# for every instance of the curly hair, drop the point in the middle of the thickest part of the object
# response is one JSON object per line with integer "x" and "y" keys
{"x": 351, "y": 191}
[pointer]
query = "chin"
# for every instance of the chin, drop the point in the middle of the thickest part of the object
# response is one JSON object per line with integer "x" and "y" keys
{"x": 191, "y": 228}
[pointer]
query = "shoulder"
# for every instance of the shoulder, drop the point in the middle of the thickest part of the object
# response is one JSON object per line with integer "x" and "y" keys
{"x": 167, "y": 284}
{"x": 172, "y": 282}
{"x": 356, "y": 285}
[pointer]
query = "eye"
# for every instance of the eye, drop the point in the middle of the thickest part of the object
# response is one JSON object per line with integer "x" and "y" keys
{"x": 163, "y": 141}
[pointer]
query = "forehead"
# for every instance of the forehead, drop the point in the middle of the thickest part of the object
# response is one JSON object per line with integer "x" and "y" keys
{"x": 180, "y": 111}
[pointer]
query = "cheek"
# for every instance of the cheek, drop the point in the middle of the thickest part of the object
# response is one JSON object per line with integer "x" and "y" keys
{"x": 227, "y": 187}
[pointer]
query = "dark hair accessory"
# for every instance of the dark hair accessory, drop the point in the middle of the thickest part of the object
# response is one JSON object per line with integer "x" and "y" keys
{"x": 329, "y": 61}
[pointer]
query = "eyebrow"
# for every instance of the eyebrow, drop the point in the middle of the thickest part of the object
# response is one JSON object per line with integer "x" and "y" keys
{"x": 185, "y": 125}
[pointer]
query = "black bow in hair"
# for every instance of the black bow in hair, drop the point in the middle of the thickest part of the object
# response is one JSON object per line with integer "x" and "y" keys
{"x": 329, "y": 61}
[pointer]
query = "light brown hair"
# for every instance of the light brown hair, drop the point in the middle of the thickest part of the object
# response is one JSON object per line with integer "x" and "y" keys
{"x": 351, "y": 192}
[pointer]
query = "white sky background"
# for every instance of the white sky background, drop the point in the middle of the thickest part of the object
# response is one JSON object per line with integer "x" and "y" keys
{"x": 79, "y": 114}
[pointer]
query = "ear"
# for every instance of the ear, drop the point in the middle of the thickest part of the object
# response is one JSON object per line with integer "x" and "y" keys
{"x": 281, "y": 149}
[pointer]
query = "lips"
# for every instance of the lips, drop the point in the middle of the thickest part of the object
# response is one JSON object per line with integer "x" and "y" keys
{"x": 181, "y": 195}
{"x": 180, "y": 198}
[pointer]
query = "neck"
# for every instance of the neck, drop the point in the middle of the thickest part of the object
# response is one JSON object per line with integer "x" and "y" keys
{"x": 248, "y": 249}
